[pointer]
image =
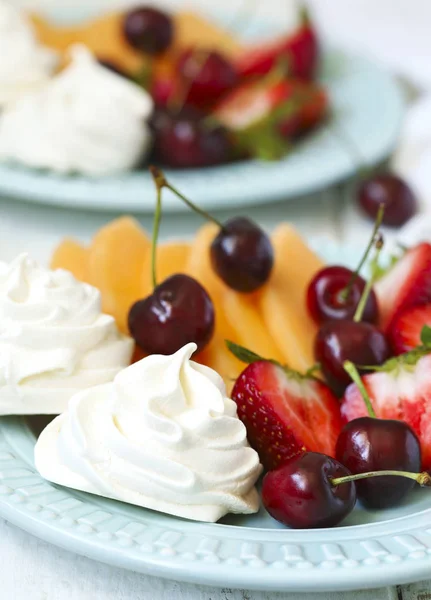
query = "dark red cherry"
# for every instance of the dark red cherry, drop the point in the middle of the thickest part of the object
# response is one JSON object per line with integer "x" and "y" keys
{"x": 369, "y": 444}
{"x": 148, "y": 30}
{"x": 187, "y": 143}
{"x": 179, "y": 311}
{"x": 393, "y": 192}
{"x": 300, "y": 494}
{"x": 242, "y": 255}
{"x": 327, "y": 299}
{"x": 339, "y": 341}
{"x": 206, "y": 75}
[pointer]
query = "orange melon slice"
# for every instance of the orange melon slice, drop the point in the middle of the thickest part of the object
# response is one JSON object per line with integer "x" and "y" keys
{"x": 216, "y": 355}
{"x": 194, "y": 30}
{"x": 103, "y": 36}
{"x": 283, "y": 300}
{"x": 117, "y": 257}
{"x": 171, "y": 257}
{"x": 73, "y": 257}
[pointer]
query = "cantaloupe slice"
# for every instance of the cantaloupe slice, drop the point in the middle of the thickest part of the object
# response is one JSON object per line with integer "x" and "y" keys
{"x": 171, "y": 257}
{"x": 103, "y": 36}
{"x": 244, "y": 316}
{"x": 73, "y": 257}
{"x": 216, "y": 355}
{"x": 283, "y": 299}
{"x": 194, "y": 30}
{"x": 117, "y": 256}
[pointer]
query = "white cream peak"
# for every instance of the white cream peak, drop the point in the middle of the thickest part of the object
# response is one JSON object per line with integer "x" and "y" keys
{"x": 54, "y": 339}
{"x": 86, "y": 120}
{"x": 163, "y": 436}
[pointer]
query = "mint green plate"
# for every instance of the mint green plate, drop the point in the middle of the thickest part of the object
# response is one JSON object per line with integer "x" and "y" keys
{"x": 370, "y": 549}
{"x": 367, "y": 106}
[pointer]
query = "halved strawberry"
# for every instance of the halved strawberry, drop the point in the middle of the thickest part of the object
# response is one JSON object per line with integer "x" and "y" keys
{"x": 263, "y": 114}
{"x": 402, "y": 391}
{"x": 405, "y": 333}
{"x": 300, "y": 50}
{"x": 285, "y": 413}
{"x": 406, "y": 285}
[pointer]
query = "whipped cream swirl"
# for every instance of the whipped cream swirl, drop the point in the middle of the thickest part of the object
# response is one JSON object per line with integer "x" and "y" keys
{"x": 86, "y": 120}
{"x": 24, "y": 63}
{"x": 163, "y": 435}
{"x": 54, "y": 340}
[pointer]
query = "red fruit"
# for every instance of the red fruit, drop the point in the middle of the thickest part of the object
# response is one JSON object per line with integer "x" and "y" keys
{"x": 301, "y": 51}
{"x": 405, "y": 333}
{"x": 406, "y": 285}
{"x": 285, "y": 413}
{"x": 402, "y": 392}
{"x": 253, "y": 102}
{"x": 207, "y": 76}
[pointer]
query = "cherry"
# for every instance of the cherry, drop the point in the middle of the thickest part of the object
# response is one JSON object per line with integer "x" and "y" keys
{"x": 339, "y": 341}
{"x": 328, "y": 296}
{"x": 178, "y": 311}
{"x": 300, "y": 493}
{"x": 334, "y": 292}
{"x": 315, "y": 490}
{"x": 148, "y": 30}
{"x": 241, "y": 253}
{"x": 371, "y": 444}
{"x": 207, "y": 76}
{"x": 391, "y": 191}
{"x": 182, "y": 142}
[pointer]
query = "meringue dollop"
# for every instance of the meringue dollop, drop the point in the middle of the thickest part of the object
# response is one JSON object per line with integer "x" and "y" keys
{"x": 86, "y": 120}
{"x": 163, "y": 436}
{"x": 24, "y": 63}
{"x": 54, "y": 339}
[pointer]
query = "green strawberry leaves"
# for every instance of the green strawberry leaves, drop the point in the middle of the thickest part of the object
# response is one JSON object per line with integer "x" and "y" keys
{"x": 426, "y": 336}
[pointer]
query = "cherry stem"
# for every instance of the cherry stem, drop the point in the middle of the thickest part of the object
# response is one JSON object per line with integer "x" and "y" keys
{"x": 156, "y": 227}
{"x": 371, "y": 280}
{"x": 162, "y": 182}
{"x": 350, "y": 368}
{"x": 345, "y": 293}
{"x": 423, "y": 479}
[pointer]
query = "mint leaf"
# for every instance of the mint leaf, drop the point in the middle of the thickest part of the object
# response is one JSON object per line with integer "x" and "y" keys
{"x": 426, "y": 336}
{"x": 242, "y": 354}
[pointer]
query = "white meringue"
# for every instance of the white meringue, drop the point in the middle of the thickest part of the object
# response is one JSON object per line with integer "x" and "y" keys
{"x": 163, "y": 436}
{"x": 24, "y": 63}
{"x": 54, "y": 340}
{"x": 86, "y": 120}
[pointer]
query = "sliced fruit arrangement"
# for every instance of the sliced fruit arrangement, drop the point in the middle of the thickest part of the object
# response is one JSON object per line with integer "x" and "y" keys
{"x": 216, "y": 99}
{"x": 232, "y": 288}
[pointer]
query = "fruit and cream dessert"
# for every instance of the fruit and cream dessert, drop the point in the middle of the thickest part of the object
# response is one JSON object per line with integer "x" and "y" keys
{"x": 162, "y": 435}
{"x": 25, "y": 64}
{"x": 216, "y": 99}
{"x": 87, "y": 119}
{"x": 54, "y": 339}
{"x": 330, "y": 370}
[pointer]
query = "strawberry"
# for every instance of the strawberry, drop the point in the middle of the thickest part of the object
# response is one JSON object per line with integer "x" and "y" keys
{"x": 285, "y": 413}
{"x": 406, "y": 285}
{"x": 406, "y": 330}
{"x": 262, "y": 114}
{"x": 300, "y": 50}
{"x": 401, "y": 390}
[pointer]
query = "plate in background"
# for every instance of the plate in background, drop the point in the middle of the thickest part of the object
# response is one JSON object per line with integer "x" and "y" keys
{"x": 368, "y": 106}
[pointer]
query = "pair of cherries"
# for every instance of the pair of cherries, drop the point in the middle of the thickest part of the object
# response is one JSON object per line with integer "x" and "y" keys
{"x": 377, "y": 461}
{"x": 346, "y": 308}
{"x": 180, "y": 310}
